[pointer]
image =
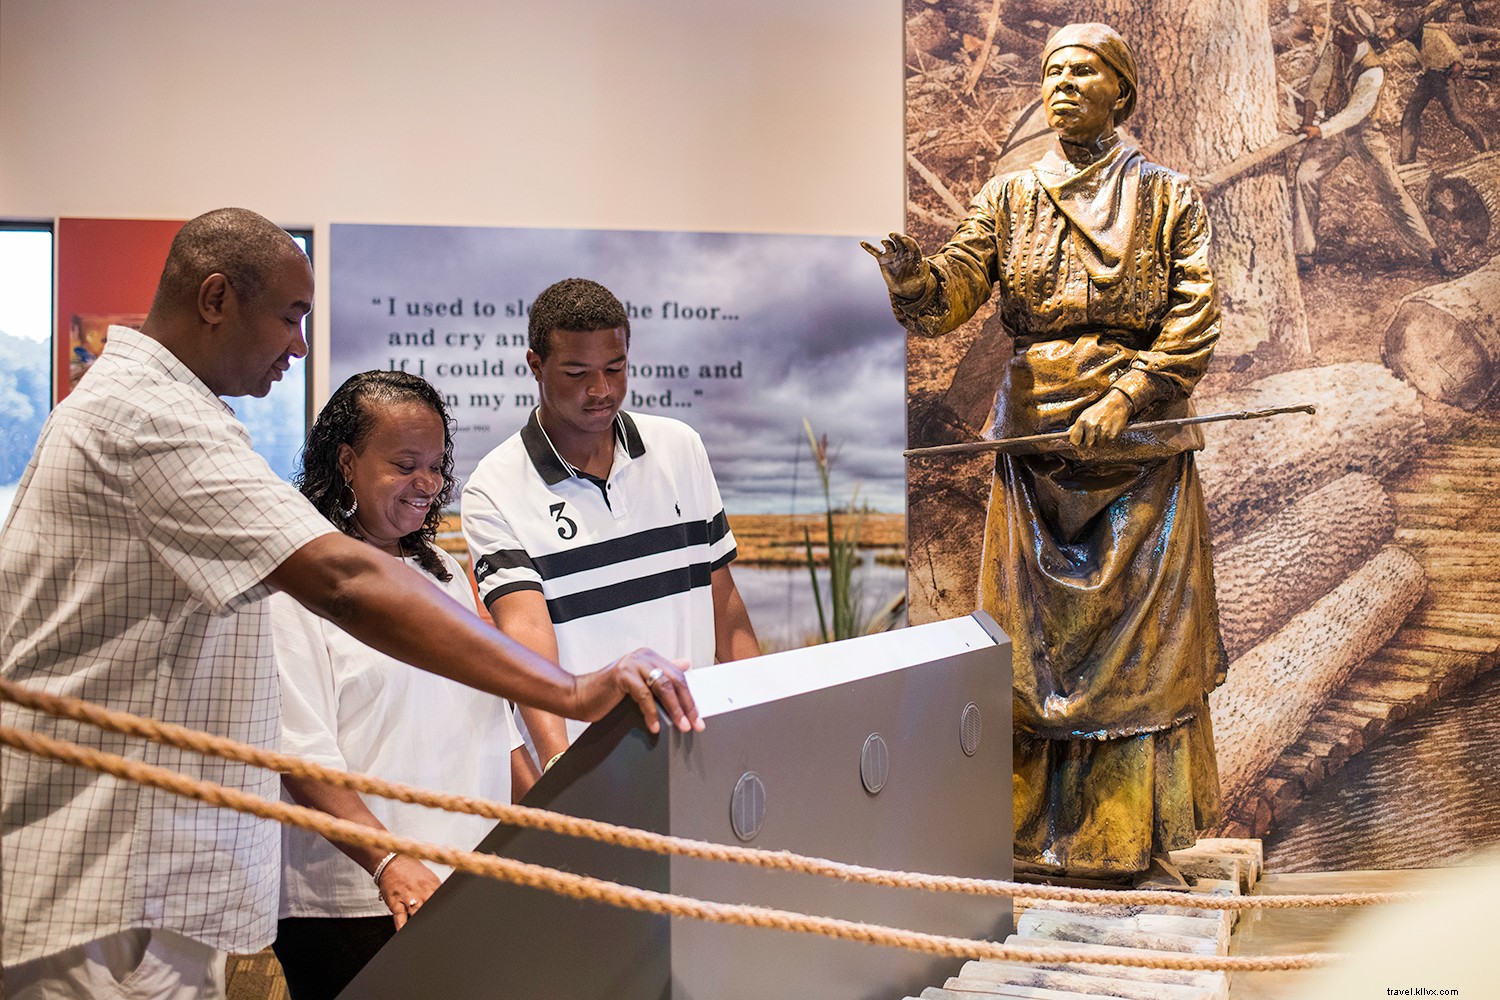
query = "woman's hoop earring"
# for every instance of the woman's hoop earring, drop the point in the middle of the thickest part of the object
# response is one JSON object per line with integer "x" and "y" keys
{"x": 348, "y": 512}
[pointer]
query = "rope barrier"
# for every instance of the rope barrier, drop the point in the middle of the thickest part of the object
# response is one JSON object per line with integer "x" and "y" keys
{"x": 612, "y": 893}
{"x": 529, "y": 817}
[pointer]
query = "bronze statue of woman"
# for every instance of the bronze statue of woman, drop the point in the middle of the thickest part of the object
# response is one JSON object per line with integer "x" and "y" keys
{"x": 1097, "y": 559}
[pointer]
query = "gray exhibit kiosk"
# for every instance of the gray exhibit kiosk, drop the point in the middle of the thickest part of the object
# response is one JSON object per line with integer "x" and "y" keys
{"x": 890, "y": 750}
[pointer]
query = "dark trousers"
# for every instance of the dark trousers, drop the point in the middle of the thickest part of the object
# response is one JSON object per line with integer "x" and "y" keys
{"x": 321, "y": 955}
{"x": 1433, "y": 85}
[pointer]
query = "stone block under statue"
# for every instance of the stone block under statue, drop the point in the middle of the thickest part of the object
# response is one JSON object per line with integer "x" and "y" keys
{"x": 890, "y": 750}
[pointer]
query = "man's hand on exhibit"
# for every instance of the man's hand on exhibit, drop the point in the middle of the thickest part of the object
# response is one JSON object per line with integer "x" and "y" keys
{"x": 1102, "y": 422}
{"x": 646, "y": 677}
{"x": 901, "y": 265}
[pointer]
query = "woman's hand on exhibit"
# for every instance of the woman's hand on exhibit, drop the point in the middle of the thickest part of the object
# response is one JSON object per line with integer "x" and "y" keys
{"x": 1102, "y": 422}
{"x": 405, "y": 885}
{"x": 646, "y": 677}
{"x": 901, "y": 265}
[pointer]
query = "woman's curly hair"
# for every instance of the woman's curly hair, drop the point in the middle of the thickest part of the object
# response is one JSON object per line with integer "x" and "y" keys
{"x": 347, "y": 419}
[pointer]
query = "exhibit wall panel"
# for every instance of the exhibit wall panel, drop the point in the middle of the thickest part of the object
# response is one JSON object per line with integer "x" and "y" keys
{"x": 743, "y": 336}
{"x": 1355, "y": 550}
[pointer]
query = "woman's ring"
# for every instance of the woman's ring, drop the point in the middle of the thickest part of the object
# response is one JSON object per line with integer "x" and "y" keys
{"x": 411, "y": 902}
{"x": 653, "y": 677}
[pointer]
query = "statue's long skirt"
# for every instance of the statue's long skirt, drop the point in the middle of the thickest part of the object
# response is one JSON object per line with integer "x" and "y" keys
{"x": 1094, "y": 807}
{"x": 1102, "y": 575}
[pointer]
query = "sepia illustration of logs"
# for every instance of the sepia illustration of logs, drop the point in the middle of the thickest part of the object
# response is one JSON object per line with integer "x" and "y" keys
{"x": 1299, "y": 554}
{"x": 1353, "y": 570}
{"x": 1445, "y": 339}
{"x": 1368, "y": 421}
{"x": 1462, "y": 201}
{"x": 1276, "y": 688}
{"x": 1310, "y": 585}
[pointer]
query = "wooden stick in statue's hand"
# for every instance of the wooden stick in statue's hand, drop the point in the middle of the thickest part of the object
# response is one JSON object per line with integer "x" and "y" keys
{"x": 1032, "y": 442}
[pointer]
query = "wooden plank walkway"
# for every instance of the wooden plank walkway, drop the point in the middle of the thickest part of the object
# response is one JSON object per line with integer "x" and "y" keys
{"x": 1448, "y": 518}
{"x": 1227, "y": 866}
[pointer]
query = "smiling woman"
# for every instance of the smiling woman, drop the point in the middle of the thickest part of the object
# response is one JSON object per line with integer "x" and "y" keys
{"x": 398, "y": 469}
{"x": 379, "y": 464}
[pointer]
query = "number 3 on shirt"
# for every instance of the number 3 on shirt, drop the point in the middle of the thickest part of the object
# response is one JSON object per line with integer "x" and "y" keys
{"x": 566, "y": 527}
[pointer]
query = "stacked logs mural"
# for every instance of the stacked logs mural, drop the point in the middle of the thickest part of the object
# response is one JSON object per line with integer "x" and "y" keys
{"x": 1357, "y": 551}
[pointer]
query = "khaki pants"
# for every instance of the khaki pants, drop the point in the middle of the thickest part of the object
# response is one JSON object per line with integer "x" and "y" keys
{"x": 137, "y": 964}
{"x": 1369, "y": 147}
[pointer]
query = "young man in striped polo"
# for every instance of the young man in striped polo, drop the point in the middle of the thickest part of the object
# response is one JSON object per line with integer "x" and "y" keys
{"x": 594, "y": 529}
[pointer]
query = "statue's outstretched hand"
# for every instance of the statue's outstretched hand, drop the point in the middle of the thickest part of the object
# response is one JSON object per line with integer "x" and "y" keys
{"x": 901, "y": 265}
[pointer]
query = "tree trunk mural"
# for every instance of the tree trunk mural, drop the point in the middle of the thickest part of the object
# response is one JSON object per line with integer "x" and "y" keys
{"x": 1208, "y": 95}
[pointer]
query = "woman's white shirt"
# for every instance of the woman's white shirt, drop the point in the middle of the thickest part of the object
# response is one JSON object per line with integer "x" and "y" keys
{"x": 348, "y": 706}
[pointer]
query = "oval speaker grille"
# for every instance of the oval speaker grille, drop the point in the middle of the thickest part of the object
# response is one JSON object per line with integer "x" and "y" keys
{"x": 874, "y": 763}
{"x": 747, "y": 807}
{"x": 968, "y": 729}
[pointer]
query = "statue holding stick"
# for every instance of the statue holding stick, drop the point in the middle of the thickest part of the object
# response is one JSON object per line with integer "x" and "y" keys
{"x": 1097, "y": 559}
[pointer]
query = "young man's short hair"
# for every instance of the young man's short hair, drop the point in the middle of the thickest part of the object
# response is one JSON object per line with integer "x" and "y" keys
{"x": 576, "y": 304}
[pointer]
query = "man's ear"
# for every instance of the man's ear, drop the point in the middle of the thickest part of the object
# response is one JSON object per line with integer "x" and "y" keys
{"x": 534, "y": 362}
{"x": 213, "y": 297}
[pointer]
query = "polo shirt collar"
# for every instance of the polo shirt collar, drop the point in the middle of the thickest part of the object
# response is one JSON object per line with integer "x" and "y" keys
{"x": 627, "y": 434}
{"x": 550, "y": 466}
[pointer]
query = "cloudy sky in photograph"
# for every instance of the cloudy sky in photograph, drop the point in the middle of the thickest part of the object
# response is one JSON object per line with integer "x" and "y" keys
{"x": 803, "y": 330}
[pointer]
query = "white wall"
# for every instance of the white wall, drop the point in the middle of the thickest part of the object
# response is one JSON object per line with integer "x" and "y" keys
{"x": 765, "y": 116}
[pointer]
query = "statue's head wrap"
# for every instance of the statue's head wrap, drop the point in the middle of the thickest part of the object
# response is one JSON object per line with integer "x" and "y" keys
{"x": 1106, "y": 43}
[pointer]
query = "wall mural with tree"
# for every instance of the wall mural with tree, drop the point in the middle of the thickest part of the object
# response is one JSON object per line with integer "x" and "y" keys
{"x": 1344, "y": 153}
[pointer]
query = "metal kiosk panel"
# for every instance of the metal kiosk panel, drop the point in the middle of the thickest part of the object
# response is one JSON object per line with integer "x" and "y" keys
{"x": 890, "y": 750}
